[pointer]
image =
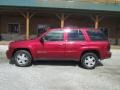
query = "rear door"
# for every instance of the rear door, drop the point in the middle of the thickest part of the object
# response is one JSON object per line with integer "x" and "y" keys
{"x": 74, "y": 44}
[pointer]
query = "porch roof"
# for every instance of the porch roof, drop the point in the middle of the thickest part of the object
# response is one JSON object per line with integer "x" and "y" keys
{"x": 62, "y": 4}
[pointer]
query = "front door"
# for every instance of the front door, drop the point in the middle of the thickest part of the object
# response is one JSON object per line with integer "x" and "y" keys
{"x": 53, "y": 45}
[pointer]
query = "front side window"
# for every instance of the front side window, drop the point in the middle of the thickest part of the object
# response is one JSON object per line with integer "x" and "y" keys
{"x": 75, "y": 35}
{"x": 96, "y": 35}
{"x": 57, "y": 35}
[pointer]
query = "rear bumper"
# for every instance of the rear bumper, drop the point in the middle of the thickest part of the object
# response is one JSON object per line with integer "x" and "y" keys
{"x": 106, "y": 55}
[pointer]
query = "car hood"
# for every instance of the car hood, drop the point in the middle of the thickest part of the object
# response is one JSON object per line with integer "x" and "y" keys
{"x": 22, "y": 43}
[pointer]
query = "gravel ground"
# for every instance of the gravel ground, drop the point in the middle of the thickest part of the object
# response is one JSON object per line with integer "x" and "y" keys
{"x": 60, "y": 75}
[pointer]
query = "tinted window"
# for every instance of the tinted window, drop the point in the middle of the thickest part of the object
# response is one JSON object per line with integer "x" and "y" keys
{"x": 75, "y": 35}
{"x": 54, "y": 36}
{"x": 96, "y": 35}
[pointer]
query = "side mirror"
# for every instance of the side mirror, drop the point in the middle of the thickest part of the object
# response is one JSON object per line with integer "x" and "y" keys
{"x": 42, "y": 40}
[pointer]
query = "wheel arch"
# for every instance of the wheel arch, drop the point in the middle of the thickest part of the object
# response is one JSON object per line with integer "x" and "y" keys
{"x": 26, "y": 49}
{"x": 90, "y": 51}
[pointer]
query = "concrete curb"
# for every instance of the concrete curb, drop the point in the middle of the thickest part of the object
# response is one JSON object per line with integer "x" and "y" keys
{"x": 115, "y": 47}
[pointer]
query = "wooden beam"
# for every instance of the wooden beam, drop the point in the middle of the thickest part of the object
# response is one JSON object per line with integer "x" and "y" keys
{"x": 27, "y": 25}
{"x": 96, "y": 20}
{"x": 62, "y": 20}
{"x": 58, "y": 16}
{"x": 27, "y": 17}
{"x": 23, "y": 14}
{"x": 62, "y": 17}
{"x": 32, "y": 14}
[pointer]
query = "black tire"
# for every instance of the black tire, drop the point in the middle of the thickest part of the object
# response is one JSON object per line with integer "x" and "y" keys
{"x": 89, "y": 60}
{"x": 22, "y": 58}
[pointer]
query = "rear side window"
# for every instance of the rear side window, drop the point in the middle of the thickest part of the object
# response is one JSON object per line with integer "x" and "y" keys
{"x": 75, "y": 35}
{"x": 96, "y": 35}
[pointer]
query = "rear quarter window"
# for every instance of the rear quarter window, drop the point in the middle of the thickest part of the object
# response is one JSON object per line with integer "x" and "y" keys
{"x": 96, "y": 35}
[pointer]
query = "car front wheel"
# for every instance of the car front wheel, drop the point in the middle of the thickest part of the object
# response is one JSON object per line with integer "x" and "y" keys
{"x": 89, "y": 60}
{"x": 22, "y": 58}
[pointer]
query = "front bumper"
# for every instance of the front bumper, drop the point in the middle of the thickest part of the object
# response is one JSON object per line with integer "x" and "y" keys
{"x": 8, "y": 54}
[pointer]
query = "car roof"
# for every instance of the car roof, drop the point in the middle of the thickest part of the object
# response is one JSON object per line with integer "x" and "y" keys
{"x": 74, "y": 28}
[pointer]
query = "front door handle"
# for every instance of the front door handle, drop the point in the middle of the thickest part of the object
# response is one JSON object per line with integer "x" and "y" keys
{"x": 60, "y": 44}
{"x": 83, "y": 44}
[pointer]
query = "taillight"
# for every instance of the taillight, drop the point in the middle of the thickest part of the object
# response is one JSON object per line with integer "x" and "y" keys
{"x": 109, "y": 47}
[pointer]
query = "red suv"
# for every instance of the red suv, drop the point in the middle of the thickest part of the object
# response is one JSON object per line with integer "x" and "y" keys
{"x": 84, "y": 45}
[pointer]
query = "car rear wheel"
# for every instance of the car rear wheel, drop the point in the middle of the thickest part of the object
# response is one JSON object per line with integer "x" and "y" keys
{"x": 22, "y": 58}
{"x": 89, "y": 60}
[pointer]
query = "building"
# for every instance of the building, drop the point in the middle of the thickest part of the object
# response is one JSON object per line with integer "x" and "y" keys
{"x": 25, "y": 18}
